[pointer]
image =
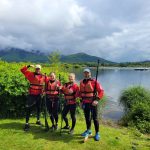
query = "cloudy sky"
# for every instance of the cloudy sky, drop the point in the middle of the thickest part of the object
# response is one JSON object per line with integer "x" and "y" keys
{"x": 118, "y": 30}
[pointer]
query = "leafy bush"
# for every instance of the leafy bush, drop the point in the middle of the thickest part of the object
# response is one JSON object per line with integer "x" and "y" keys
{"x": 136, "y": 102}
{"x": 14, "y": 87}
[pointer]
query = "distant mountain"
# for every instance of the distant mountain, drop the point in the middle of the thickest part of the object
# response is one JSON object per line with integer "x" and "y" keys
{"x": 20, "y": 55}
{"x": 82, "y": 57}
{"x": 146, "y": 61}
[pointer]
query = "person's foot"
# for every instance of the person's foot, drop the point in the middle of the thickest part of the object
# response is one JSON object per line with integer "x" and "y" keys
{"x": 56, "y": 127}
{"x": 26, "y": 127}
{"x": 97, "y": 136}
{"x": 66, "y": 127}
{"x": 71, "y": 131}
{"x": 38, "y": 122}
{"x": 86, "y": 133}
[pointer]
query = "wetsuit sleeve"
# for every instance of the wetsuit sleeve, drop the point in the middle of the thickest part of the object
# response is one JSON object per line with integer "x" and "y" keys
{"x": 47, "y": 79}
{"x": 59, "y": 84}
{"x": 100, "y": 90}
{"x": 28, "y": 74}
{"x": 80, "y": 90}
{"x": 62, "y": 89}
{"x": 77, "y": 93}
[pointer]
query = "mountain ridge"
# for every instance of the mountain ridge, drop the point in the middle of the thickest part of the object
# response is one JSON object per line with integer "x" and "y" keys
{"x": 21, "y": 55}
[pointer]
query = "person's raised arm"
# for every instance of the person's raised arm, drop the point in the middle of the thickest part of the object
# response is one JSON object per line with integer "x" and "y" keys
{"x": 25, "y": 70}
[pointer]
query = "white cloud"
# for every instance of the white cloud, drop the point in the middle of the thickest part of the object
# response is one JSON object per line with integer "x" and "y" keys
{"x": 119, "y": 31}
{"x": 37, "y": 23}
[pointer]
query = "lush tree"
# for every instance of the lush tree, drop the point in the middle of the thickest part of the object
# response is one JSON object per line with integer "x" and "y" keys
{"x": 54, "y": 57}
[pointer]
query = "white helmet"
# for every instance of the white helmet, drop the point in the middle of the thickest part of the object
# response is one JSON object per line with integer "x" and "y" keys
{"x": 37, "y": 66}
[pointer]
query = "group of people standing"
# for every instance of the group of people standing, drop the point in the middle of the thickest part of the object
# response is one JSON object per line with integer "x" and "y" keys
{"x": 71, "y": 91}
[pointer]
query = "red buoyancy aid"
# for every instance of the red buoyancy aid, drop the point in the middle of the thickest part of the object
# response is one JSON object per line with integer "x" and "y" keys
{"x": 86, "y": 89}
{"x": 36, "y": 81}
{"x": 52, "y": 88}
{"x": 69, "y": 93}
{"x": 36, "y": 84}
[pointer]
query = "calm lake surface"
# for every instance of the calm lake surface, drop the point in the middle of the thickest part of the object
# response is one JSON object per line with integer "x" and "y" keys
{"x": 114, "y": 81}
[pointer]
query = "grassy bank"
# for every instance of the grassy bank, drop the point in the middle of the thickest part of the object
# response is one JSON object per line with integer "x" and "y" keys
{"x": 12, "y": 137}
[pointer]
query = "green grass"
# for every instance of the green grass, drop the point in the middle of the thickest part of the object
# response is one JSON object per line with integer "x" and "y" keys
{"x": 12, "y": 137}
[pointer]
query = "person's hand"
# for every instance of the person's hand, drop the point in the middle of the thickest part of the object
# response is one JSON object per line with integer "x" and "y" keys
{"x": 71, "y": 91}
{"x": 95, "y": 103}
{"x": 60, "y": 87}
{"x": 32, "y": 66}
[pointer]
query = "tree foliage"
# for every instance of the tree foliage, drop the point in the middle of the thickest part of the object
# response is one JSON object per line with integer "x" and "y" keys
{"x": 54, "y": 57}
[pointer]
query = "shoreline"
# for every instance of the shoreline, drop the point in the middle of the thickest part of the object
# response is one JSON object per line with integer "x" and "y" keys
{"x": 122, "y": 68}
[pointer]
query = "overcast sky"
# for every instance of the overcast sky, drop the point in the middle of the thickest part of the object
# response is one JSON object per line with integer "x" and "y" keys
{"x": 118, "y": 30}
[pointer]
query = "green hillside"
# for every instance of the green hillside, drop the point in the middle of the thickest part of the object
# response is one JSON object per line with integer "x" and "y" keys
{"x": 82, "y": 57}
{"x": 19, "y": 55}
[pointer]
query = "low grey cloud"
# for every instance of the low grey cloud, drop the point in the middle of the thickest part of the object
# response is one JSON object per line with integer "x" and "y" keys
{"x": 117, "y": 30}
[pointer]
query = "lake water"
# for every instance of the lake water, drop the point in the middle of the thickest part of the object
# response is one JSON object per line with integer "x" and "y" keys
{"x": 114, "y": 81}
